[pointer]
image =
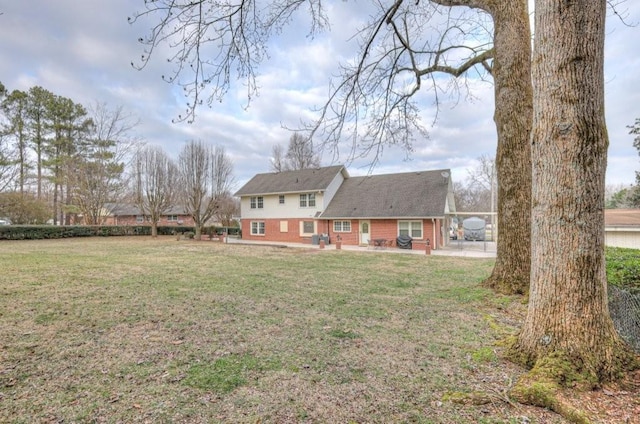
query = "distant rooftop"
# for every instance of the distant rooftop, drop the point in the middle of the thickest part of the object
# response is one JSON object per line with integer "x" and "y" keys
{"x": 622, "y": 217}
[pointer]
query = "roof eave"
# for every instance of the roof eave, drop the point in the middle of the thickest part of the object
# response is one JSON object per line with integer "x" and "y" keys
{"x": 313, "y": 190}
{"x": 381, "y": 217}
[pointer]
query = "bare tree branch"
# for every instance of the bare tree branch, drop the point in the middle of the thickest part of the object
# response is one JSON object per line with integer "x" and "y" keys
{"x": 214, "y": 43}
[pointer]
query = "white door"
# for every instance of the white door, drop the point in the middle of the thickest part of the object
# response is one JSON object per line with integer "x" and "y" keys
{"x": 364, "y": 232}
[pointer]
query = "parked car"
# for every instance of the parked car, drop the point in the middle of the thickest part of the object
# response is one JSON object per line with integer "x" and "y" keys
{"x": 453, "y": 232}
{"x": 474, "y": 229}
{"x": 5, "y": 221}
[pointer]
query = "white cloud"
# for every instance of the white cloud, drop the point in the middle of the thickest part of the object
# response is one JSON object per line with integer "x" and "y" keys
{"x": 83, "y": 50}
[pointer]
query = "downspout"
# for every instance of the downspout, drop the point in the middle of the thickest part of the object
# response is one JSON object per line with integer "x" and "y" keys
{"x": 434, "y": 244}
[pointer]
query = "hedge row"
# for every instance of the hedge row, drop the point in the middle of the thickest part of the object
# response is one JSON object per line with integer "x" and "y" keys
{"x": 623, "y": 267}
{"x": 35, "y": 232}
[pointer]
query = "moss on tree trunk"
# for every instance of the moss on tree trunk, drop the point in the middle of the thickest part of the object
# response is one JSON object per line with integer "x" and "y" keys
{"x": 568, "y": 336}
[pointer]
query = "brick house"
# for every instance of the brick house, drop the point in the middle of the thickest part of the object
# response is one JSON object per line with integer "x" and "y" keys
{"x": 128, "y": 214}
{"x": 293, "y": 206}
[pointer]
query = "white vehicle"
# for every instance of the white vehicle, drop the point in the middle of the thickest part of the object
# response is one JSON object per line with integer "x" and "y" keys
{"x": 5, "y": 221}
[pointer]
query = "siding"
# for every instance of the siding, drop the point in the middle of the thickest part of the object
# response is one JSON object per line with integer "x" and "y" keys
{"x": 274, "y": 210}
{"x": 622, "y": 237}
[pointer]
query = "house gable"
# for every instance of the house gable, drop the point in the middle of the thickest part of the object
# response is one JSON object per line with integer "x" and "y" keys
{"x": 299, "y": 194}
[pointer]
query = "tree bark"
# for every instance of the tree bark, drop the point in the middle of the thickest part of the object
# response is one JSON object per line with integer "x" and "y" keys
{"x": 513, "y": 117}
{"x": 568, "y": 314}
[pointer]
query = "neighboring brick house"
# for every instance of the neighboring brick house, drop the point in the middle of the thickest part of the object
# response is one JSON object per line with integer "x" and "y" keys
{"x": 622, "y": 228}
{"x": 128, "y": 214}
{"x": 359, "y": 210}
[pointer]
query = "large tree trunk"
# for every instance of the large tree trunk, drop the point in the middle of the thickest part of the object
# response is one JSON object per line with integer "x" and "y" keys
{"x": 513, "y": 116}
{"x": 568, "y": 316}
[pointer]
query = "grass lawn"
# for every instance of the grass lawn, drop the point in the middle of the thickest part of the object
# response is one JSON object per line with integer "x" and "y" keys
{"x": 141, "y": 330}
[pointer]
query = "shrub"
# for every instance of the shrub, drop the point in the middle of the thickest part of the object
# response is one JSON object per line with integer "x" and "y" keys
{"x": 623, "y": 267}
{"x": 37, "y": 232}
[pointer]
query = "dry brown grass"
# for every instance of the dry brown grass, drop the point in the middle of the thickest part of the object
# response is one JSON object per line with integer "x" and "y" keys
{"x": 142, "y": 330}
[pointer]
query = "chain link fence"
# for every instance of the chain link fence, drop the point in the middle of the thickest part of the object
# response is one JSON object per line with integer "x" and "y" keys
{"x": 624, "y": 307}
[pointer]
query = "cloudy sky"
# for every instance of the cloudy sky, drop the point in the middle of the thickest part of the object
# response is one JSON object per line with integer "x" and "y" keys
{"x": 83, "y": 50}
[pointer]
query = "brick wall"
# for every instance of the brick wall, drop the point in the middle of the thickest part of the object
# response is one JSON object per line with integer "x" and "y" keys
{"x": 274, "y": 232}
{"x": 379, "y": 229}
{"x": 351, "y": 238}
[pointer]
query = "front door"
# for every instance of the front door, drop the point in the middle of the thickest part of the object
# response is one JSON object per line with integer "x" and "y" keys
{"x": 364, "y": 232}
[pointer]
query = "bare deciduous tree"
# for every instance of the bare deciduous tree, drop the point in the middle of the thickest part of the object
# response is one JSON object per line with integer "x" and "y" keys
{"x": 300, "y": 155}
{"x": 99, "y": 175}
{"x": 477, "y": 193}
{"x": 117, "y": 126}
{"x": 278, "y": 163}
{"x": 228, "y": 208}
{"x": 14, "y": 108}
{"x": 155, "y": 184}
{"x": 206, "y": 175}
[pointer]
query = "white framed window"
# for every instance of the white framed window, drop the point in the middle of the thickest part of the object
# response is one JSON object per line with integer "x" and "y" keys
{"x": 172, "y": 218}
{"x": 342, "y": 226}
{"x": 140, "y": 218}
{"x": 284, "y": 226}
{"x": 257, "y": 228}
{"x": 307, "y": 228}
{"x": 410, "y": 228}
{"x": 281, "y": 199}
{"x": 257, "y": 202}
{"x": 308, "y": 200}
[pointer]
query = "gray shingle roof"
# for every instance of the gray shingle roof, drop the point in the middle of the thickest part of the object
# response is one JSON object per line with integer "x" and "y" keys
{"x": 405, "y": 195}
{"x": 317, "y": 179}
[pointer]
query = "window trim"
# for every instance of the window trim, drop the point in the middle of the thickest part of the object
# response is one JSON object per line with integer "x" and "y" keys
{"x": 411, "y": 228}
{"x": 281, "y": 199}
{"x": 258, "y": 225}
{"x": 307, "y": 200}
{"x": 313, "y": 227}
{"x": 342, "y": 226}
{"x": 256, "y": 202}
{"x": 301, "y": 223}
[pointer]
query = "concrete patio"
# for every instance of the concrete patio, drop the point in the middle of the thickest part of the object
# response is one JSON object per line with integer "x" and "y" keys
{"x": 477, "y": 249}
